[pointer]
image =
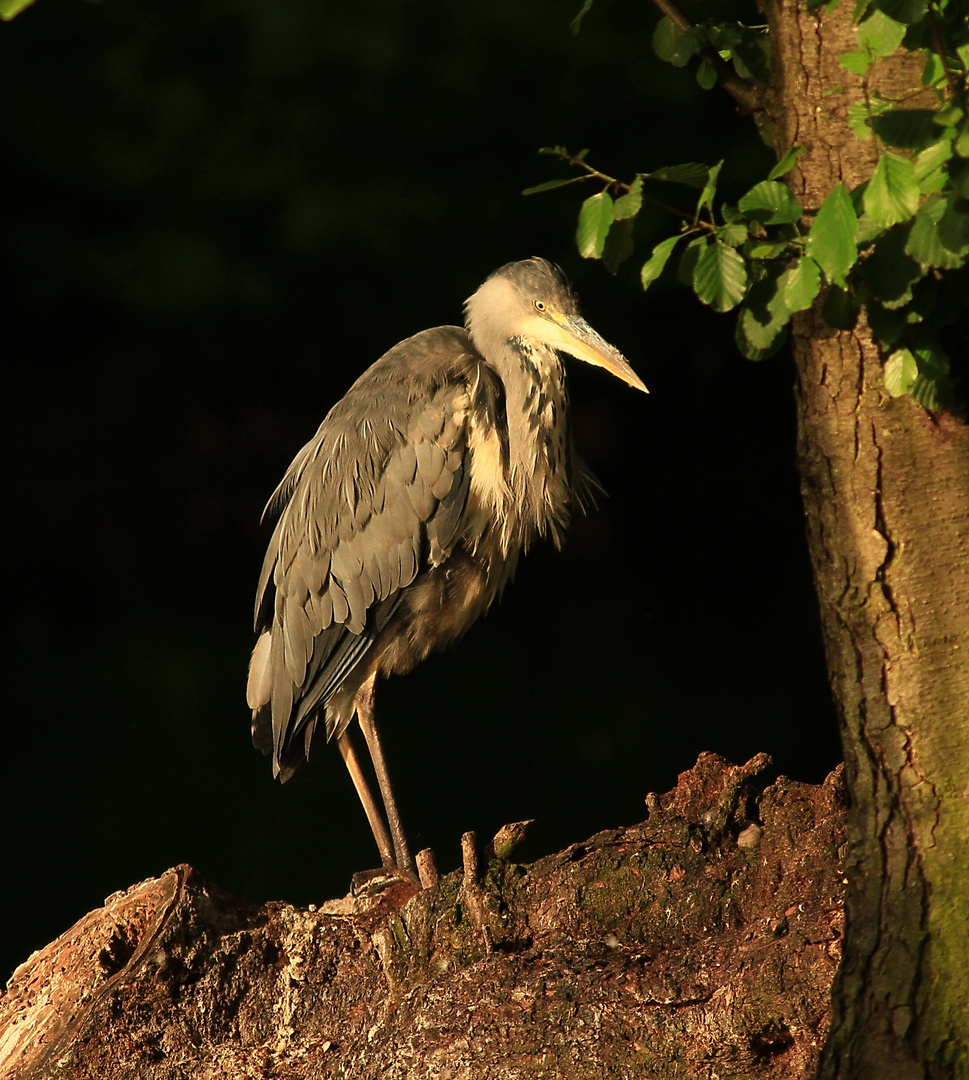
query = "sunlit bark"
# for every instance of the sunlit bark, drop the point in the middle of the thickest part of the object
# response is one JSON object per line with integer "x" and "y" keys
{"x": 886, "y": 492}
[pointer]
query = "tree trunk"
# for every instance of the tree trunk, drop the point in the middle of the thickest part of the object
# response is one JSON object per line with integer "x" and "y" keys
{"x": 886, "y": 493}
{"x": 700, "y": 943}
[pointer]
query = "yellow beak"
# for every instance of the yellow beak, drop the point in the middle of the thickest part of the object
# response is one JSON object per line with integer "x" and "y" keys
{"x": 572, "y": 334}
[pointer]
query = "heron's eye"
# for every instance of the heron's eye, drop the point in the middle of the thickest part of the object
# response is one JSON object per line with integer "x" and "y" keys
{"x": 540, "y": 305}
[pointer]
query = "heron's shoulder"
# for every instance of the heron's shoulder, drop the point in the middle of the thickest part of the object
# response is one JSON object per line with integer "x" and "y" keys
{"x": 365, "y": 427}
{"x": 425, "y": 362}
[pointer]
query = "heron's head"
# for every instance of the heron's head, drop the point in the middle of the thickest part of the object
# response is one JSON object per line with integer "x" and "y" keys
{"x": 533, "y": 300}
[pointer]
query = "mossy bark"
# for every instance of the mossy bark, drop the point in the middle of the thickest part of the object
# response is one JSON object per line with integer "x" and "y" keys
{"x": 886, "y": 493}
{"x": 702, "y": 942}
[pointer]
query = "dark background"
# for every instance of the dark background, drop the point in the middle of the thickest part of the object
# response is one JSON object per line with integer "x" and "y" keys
{"x": 215, "y": 215}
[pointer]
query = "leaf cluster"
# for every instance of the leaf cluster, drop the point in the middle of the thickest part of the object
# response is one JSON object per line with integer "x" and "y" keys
{"x": 746, "y": 48}
{"x": 897, "y": 245}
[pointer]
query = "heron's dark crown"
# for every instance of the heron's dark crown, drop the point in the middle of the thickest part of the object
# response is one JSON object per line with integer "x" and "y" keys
{"x": 539, "y": 279}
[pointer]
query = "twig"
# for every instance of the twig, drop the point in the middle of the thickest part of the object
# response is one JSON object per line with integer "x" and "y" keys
{"x": 470, "y": 892}
{"x": 593, "y": 173}
{"x": 938, "y": 43}
{"x": 746, "y": 96}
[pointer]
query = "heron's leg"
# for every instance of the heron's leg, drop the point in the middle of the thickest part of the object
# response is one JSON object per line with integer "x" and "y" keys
{"x": 369, "y": 805}
{"x": 364, "y": 707}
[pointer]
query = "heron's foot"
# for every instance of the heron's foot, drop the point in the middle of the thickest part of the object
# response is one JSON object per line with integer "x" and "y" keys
{"x": 370, "y": 883}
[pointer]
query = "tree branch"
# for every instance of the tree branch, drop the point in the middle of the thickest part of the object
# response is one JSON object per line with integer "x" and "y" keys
{"x": 747, "y": 96}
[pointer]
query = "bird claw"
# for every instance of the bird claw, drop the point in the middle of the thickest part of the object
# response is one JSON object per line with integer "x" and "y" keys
{"x": 370, "y": 883}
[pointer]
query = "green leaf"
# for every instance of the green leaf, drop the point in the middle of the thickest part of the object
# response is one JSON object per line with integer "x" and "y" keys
{"x": 619, "y": 245}
{"x": 771, "y": 203}
{"x": 867, "y": 230}
{"x": 756, "y": 341}
{"x": 880, "y": 34}
{"x": 930, "y": 166}
{"x": 748, "y": 47}
{"x": 932, "y": 388}
{"x": 763, "y": 316}
{"x": 748, "y": 348}
{"x": 893, "y": 193}
{"x": 786, "y": 163}
{"x": 595, "y": 219}
{"x": 629, "y": 205}
{"x": 857, "y": 61}
{"x": 889, "y": 272}
{"x": 734, "y": 234}
{"x": 705, "y": 202}
{"x": 961, "y": 145}
{"x": 799, "y": 285}
{"x": 706, "y": 75}
{"x": 949, "y": 115}
{"x": 677, "y": 47}
{"x": 926, "y": 392}
{"x": 831, "y": 241}
{"x": 751, "y": 55}
{"x": 724, "y": 36}
{"x": 901, "y": 371}
{"x": 688, "y": 261}
{"x": 655, "y": 264}
{"x": 766, "y": 249}
{"x": 690, "y": 173}
{"x": 550, "y": 185}
{"x": 664, "y": 38}
{"x": 934, "y": 70}
{"x": 720, "y": 276}
{"x": 904, "y": 11}
{"x": 924, "y": 241}
{"x": 862, "y": 112}
{"x": 10, "y": 9}
{"x": 954, "y": 226}
{"x": 908, "y": 129}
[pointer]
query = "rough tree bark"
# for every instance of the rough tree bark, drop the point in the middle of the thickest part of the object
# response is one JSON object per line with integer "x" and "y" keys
{"x": 701, "y": 943}
{"x": 886, "y": 493}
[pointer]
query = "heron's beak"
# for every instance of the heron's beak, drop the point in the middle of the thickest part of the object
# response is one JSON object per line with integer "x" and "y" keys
{"x": 576, "y": 337}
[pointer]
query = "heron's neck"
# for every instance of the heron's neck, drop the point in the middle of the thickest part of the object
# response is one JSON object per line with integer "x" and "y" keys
{"x": 539, "y": 443}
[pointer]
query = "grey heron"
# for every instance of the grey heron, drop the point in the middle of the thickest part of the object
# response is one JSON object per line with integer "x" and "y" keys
{"x": 403, "y": 518}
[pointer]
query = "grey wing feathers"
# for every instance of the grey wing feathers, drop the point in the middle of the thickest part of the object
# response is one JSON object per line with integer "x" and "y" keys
{"x": 376, "y": 496}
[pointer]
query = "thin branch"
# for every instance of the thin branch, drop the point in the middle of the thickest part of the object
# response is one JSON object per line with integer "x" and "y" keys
{"x": 675, "y": 16}
{"x": 938, "y": 43}
{"x": 593, "y": 173}
{"x": 747, "y": 97}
